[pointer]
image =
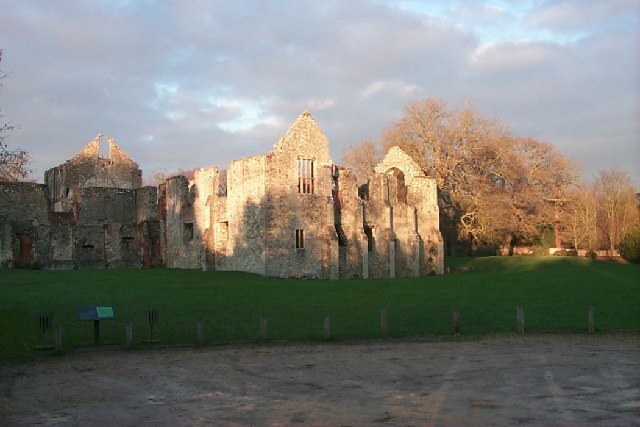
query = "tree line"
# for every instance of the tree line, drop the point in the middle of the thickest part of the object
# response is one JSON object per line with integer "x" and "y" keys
{"x": 497, "y": 190}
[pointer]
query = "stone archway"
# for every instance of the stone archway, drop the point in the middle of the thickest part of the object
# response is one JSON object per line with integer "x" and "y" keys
{"x": 396, "y": 187}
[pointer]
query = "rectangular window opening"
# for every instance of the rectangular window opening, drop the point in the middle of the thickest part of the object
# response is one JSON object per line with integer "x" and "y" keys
{"x": 188, "y": 231}
{"x": 305, "y": 176}
{"x": 299, "y": 239}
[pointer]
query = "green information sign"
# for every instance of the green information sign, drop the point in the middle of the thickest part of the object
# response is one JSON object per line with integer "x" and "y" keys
{"x": 104, "y": 312}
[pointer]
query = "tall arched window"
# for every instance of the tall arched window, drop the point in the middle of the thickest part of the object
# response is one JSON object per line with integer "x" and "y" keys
{"x": 396, "y": 187}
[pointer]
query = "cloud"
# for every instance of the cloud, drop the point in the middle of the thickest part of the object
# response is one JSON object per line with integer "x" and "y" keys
{"x": 185, "y": 84}
{"x": 578, "y": 15}
{"x": 398, "y": 88}
{"x": 524, "y": 55}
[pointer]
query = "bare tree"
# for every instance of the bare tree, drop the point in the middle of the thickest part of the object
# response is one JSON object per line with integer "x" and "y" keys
{"x": 362, "y": 159}
{"x": 618, "y": 211}
{"x": 13, "y": 163}
{"x": 493, "y": 188}
{"x": 451, "y": 146}
{"x": 581, "y": 219}
{"x": 157, "y": 177}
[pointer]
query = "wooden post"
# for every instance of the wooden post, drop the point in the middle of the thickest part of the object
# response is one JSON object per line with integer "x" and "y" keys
{"x": 456, "y": 322}
{"x": 327, "y": 326}
{"x": 200, "y": 331}
{"x": 520, "y": 319}
{"x": 57, "y": 339}
{"x": 128, "y": 332}
{"x": 384, "y": 324}
{"x": 264, "y": 331}
{"x": 590, "y": 319}
{"x": 96, "y": 332}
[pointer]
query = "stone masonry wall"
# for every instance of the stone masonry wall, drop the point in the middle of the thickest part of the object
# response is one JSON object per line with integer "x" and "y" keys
{"x": 244, "y": 228}
{"x": 289, "y": 209}
{"x": 103, "y": 231}
{"x": 183, "y": 245}
{"x": 87, "y": 169}
{"x": 289, "y": 213}
{"x": 352, "y": 240}
{"x": 205, "y": 185}
{"x": 23, "y": 224}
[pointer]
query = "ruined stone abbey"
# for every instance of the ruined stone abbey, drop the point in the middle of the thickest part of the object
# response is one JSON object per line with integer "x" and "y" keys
{"x": 289, "y": 213}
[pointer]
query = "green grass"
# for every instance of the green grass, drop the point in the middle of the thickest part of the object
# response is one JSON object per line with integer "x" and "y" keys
{"x": 554, "y": 291}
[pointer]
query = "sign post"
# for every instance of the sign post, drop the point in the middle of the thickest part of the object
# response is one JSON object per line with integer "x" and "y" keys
{"x": 96, "y": 313}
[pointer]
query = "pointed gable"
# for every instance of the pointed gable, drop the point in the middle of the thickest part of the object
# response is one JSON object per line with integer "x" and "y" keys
{"x": 396, "y": 158}
{"x": 117, "y": 155}
{"x": 305, "y": 138}
{"x": 89, "y": 152}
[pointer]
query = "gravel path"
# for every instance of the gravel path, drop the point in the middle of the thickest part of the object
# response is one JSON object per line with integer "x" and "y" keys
{"x": 503, "y": 380}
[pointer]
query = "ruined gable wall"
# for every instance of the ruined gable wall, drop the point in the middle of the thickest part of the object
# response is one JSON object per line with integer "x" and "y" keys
{"x": 121, "y": 170}
{"x": 404, "y": 201}
{"x": 398, "y": 159}
{"x": 88, "y": 169}
{"x": 288, "y": 209}
{"x": 305, "y": 139}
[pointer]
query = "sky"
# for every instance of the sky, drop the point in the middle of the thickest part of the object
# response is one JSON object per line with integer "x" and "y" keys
{"x": 196, "y": 83}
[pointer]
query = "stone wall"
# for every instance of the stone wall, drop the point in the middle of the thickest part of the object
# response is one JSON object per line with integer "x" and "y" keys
{"x": 289, "y": 213}
{"x": 87, "y": 169}
{"x": 23, "y": 224}
{"x": 290, "y": 209}
{"x": 107, "y": 228}
{"x": 184, "y": 247}
{"x": 353, "y": 245}
{"x": 245, "y": 216}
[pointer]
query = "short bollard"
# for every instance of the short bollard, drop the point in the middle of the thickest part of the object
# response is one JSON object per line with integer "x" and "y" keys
{"x": 384, "y": 324}
{"x": 520, "y": 319}
{"x": 591, "y": 320}
{"x": 128, "y": 332}
{"x": 200, "y": 331}
{"x": 57, "y": 339}
{"x": 456, "y": 322}
{"x": 327, "y": 326}
{"x": 264, "y": 329}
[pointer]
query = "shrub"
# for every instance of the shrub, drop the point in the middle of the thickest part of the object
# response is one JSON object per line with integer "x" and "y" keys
{"x": 540, "y": 250}
{"x": 486, "y": 250}
{"x": 630, "y": 246}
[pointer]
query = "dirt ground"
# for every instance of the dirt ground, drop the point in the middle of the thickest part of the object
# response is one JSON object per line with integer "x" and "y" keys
{"x": 504, "y": 380}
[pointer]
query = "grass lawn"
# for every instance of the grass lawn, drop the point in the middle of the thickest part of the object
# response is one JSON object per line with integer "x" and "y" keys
{"x": 554, "y": 291}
